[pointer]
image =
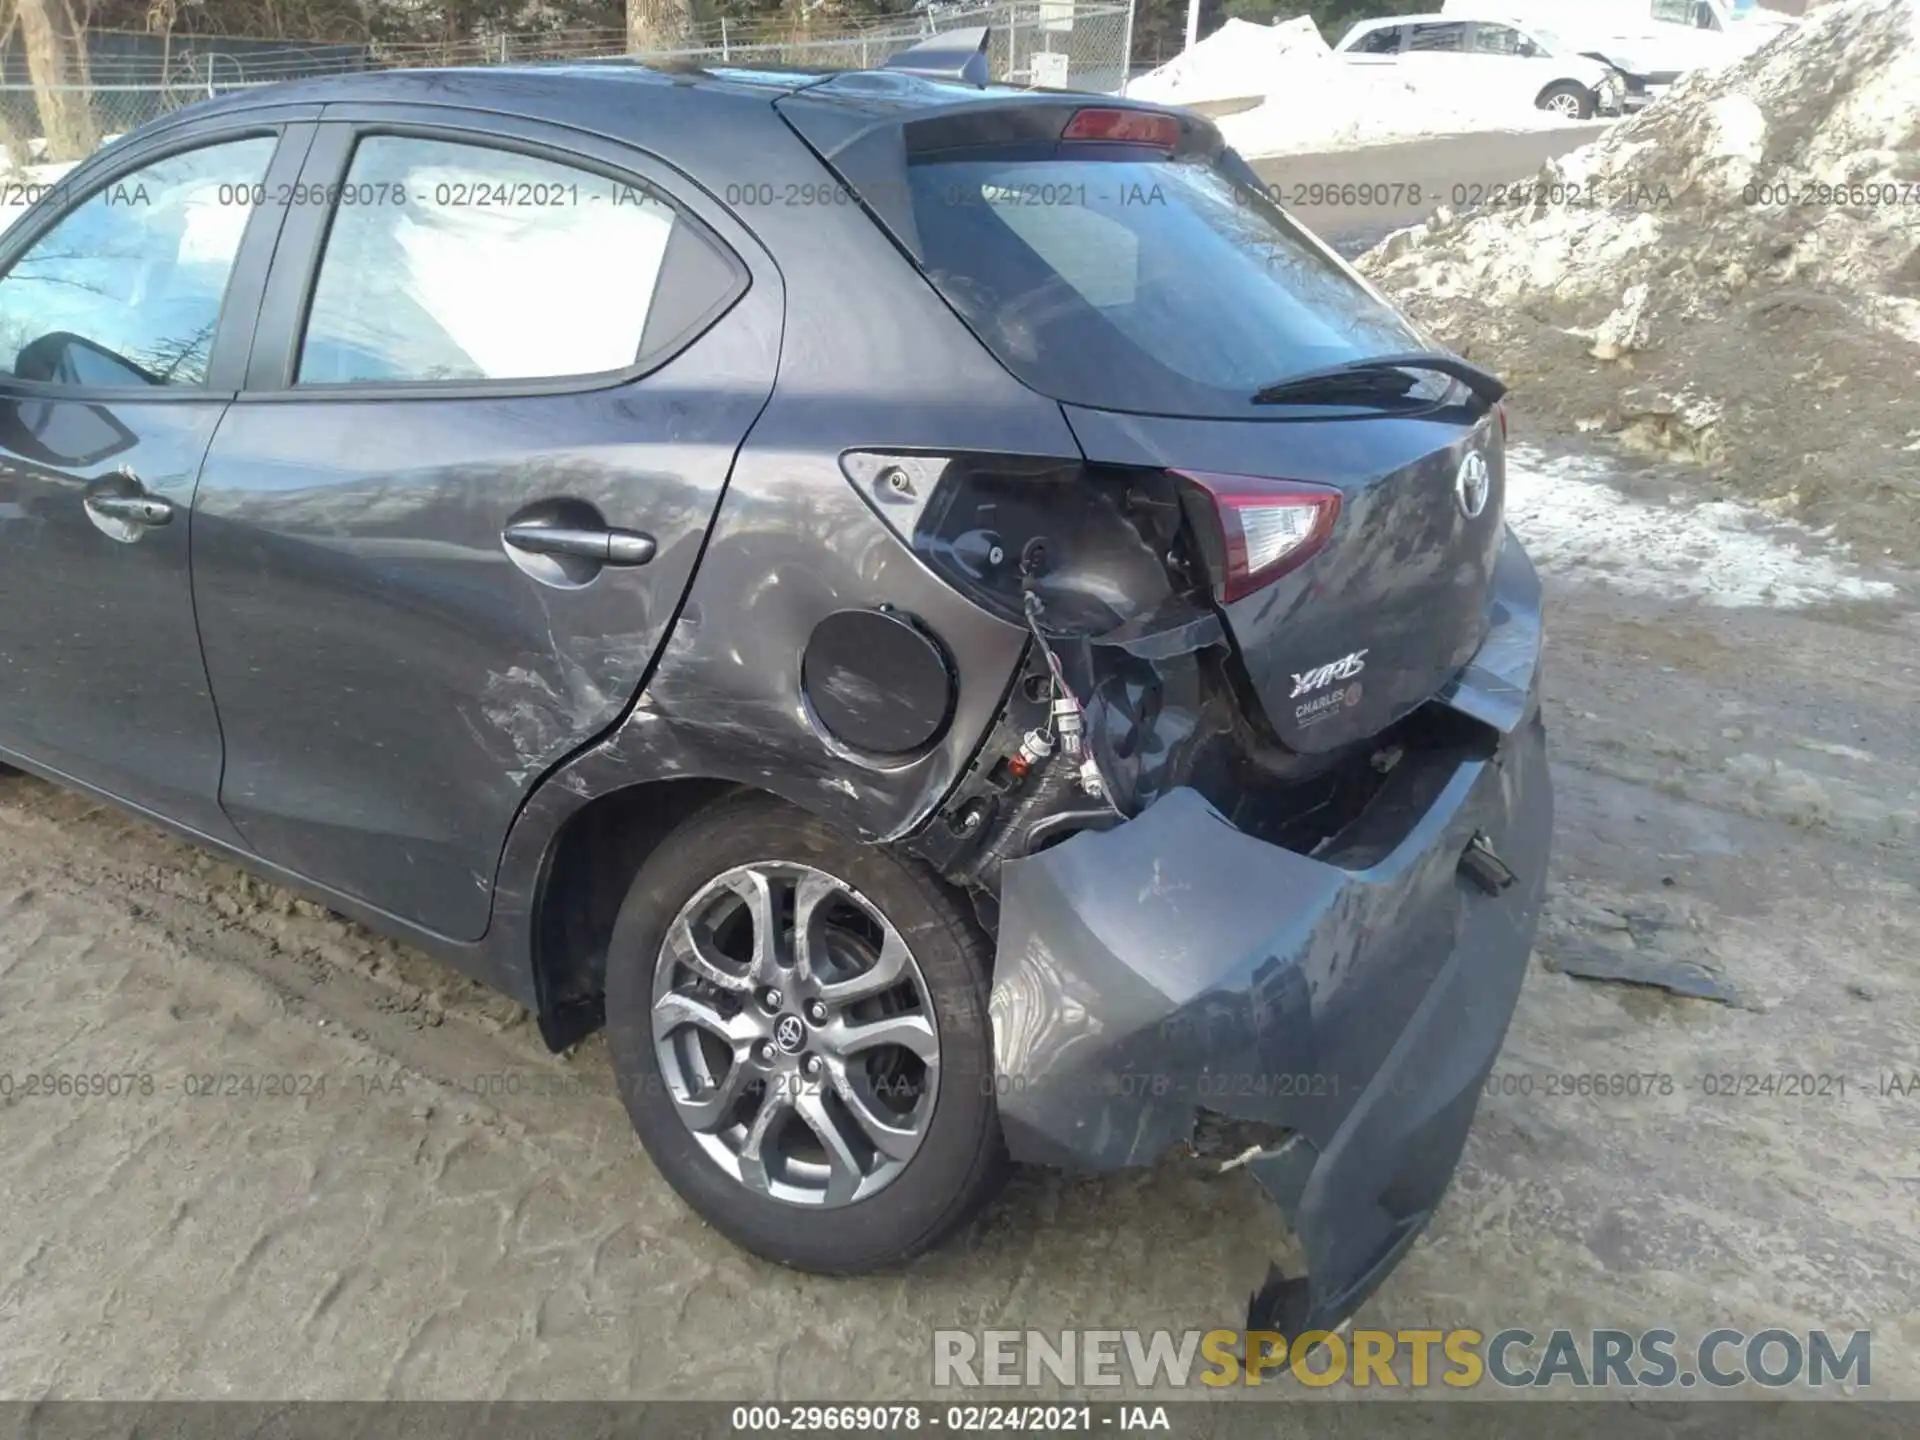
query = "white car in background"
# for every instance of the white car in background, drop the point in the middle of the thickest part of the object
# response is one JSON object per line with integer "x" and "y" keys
{"x": 1652, "y": 42}
{"x": 1709, "y": 22}
{"x": 1485, "y": 55}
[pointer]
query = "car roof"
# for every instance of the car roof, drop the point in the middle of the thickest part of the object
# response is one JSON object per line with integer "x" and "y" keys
{"x": 1492, "y": 15}
{"x": 593, "y": 81}
{"x": 714, "y": 122}
{"x": 591, "y": 86}
{"x": 708, "y": 120}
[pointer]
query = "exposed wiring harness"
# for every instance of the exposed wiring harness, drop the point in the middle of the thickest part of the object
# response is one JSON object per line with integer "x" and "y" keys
{"x": 1066, "y": 719}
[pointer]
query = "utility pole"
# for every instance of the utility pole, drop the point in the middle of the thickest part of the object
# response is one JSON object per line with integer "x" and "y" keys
{"x": 1193, "y": 23}
{"x": 1126, "y": 48}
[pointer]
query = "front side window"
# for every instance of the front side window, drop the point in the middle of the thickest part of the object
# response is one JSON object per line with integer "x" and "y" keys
{"x": 1498, "y": 40}
{"x": 1384, "y": 41}
{"x": 453, "y": 261}
{"x": 126, "y": 289}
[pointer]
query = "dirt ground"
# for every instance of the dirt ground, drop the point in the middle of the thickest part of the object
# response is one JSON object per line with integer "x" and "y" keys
{"x": 444, "y": 1210}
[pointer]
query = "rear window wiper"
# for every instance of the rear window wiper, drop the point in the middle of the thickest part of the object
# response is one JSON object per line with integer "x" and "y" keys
{"x": 1373, "y": 380}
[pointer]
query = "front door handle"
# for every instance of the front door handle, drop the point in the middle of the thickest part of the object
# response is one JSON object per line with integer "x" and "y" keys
{"x": 607, "y": 545}
{"x": 122, "y": 508}
{"x": 148, "y": 510}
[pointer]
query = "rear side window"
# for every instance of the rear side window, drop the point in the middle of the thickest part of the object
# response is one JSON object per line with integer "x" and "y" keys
{"x": 1384, "y": 41}
{"x": 1445, "y": 39}
{"x": 1153, "y": 286}
{"x": 447, "y": 261}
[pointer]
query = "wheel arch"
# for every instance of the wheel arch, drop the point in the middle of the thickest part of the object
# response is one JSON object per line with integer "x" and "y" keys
{"x": 1590, "y": 96}
{"x": 590, "y": 865}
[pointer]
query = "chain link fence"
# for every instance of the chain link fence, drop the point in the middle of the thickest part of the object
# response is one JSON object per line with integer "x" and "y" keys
{"x": 129, "y": 79}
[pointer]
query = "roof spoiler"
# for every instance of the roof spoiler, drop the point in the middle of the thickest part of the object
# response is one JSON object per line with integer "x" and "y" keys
{"x": 950, "y": 55}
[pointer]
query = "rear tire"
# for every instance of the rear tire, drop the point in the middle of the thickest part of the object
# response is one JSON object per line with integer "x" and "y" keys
{"x": 1570, "y": 99}
{"x": 816, "y": 1190}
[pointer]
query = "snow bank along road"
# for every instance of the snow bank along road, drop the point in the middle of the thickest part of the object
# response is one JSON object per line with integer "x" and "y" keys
{"x": 356, "y": 1175}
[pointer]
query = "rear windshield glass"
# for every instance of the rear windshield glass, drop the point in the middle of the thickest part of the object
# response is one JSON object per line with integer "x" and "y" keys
{"x": 1154, "y": 286}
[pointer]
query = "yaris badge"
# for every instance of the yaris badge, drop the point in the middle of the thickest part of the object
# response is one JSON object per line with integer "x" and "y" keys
{"x": 1472, "y": 485}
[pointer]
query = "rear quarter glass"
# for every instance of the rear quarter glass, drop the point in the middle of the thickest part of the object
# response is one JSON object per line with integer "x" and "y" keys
{"x": 1152, "y": 284}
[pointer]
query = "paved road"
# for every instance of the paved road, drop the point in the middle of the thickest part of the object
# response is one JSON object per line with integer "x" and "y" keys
{"x": 1435, "y": 166}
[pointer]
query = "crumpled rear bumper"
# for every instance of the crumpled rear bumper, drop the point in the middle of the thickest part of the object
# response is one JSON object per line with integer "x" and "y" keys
{"x": 1173, "y": 968}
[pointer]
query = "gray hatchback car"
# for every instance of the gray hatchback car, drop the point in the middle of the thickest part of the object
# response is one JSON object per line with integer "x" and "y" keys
{"x": 936, "y": 614}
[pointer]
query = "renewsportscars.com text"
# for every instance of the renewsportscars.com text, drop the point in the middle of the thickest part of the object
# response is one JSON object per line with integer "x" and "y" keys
{"x": 1512, "y": 1358}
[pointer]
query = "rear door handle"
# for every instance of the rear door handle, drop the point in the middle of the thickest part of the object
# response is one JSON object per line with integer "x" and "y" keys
{"x": 132, "y": 509}
{"x": 609, "y": 545}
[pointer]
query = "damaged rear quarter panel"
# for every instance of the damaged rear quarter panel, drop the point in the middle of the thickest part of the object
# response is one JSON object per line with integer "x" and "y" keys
{"x": 871, "y": 359}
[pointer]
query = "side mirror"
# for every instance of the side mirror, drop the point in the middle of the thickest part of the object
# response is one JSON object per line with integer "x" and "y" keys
{"x": 63, "y": 358}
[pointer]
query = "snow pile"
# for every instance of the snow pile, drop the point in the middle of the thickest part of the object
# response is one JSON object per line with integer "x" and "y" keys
{"x": 1239, "y": 61}
{"x": 1716, "y": 187}
{"x": 1733, "y": 274}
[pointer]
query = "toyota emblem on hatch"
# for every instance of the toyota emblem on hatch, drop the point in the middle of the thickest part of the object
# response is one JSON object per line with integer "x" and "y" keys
{"x": 1472, "y": 485}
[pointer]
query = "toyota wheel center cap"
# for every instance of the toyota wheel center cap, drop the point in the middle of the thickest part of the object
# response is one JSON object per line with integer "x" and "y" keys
{"x": 789, "y": 1034}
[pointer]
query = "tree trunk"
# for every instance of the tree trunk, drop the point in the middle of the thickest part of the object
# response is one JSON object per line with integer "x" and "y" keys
{"x": 55, "y": 42}
{"x": 658, "y": 24}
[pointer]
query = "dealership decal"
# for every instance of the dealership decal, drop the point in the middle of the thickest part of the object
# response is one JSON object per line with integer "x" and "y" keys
{"x": 1312, "y": 712}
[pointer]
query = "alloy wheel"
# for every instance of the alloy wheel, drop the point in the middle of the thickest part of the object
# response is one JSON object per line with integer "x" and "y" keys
{"x": 794, "y": 1032}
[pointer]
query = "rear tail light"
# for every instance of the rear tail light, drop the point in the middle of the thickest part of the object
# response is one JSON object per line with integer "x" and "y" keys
{"x": 1501, "y": 411}
{"x": 1099, "y": 545}
{"x": 1124, "y": 127}
{"x": 1255, "y": 530}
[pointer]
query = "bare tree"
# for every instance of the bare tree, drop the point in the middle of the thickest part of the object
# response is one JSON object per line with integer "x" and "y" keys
{"x": 54, "y": 35}
{"x": 658, "y": 24}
